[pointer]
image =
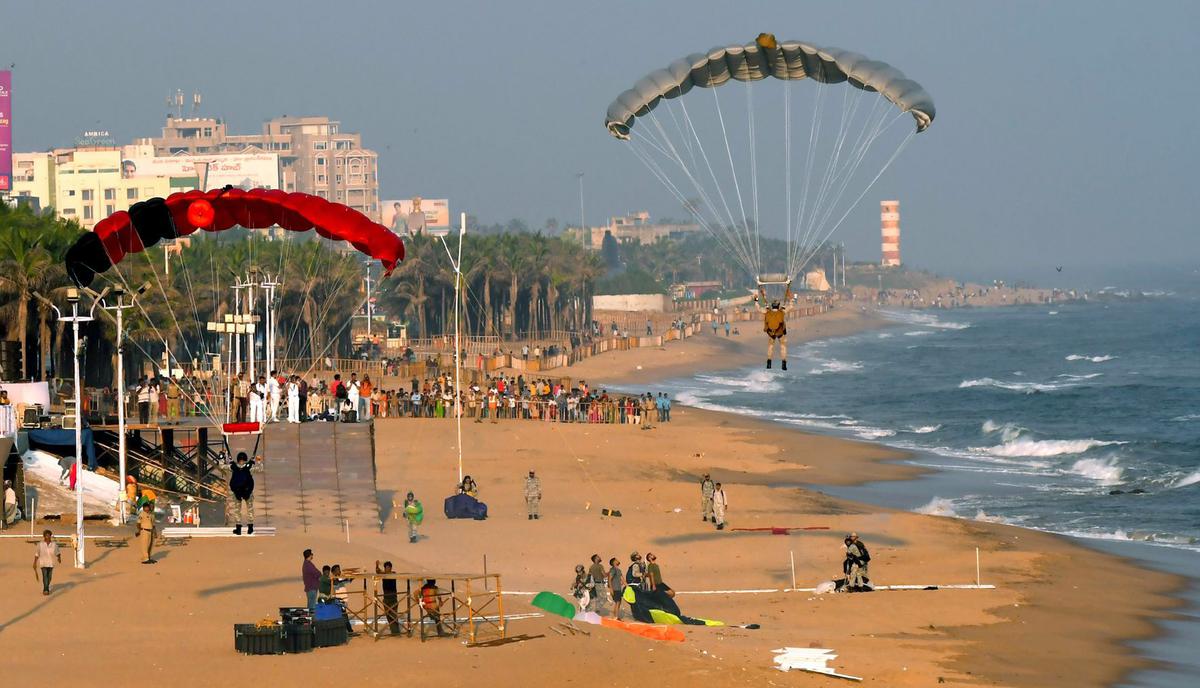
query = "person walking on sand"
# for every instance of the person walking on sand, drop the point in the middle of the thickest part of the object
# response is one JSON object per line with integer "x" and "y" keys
{"x": 719, "y": 503}
{"x": 145, "y": 532}
{"x": 241, "y": 494}
{"x": 859, "y": 557}
{"x": 46, "y": 556}
{"x": 707, "y": 488}
{"x": 414, "y": 513}
{"x": 533, "y": 495}
{"x": 311, "y": 576}
{"x": 616, "y": 585}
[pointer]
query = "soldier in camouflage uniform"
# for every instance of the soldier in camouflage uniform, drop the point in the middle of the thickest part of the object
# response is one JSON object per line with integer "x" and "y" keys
{"x": 707, "y": 488}
{"x": 533, "y": 495}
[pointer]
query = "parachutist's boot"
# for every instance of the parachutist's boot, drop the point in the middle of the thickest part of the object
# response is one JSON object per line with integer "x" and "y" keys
{"x": 250, "y": 529}
{"x": 768, "y": 364}
{"x": 237, "y": 530}
{"x": 784, "y": 366}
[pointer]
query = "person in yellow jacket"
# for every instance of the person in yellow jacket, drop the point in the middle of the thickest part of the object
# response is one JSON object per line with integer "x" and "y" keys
{"x": 774, "y": 323}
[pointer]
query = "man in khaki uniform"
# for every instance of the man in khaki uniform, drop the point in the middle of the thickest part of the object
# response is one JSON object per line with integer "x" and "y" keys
{"x": 774, "y": 322}
{"x": 533, "y": 495}
{"x": 145, "y": 533}
{"x": 707, "y": 487}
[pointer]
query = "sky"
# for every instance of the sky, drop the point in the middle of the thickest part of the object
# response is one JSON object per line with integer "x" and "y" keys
{"x": 1065, "y": 132}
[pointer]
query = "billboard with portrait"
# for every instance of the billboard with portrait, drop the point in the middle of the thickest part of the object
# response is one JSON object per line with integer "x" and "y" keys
{"x": 436, "y": 211}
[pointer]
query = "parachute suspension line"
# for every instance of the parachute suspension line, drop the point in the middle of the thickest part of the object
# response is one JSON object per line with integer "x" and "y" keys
{"x": 814, "y": 132}
{"x": 687, "y": 143}
{"x": 848, "y": 111}
{"x": 753, "y": 176}
{"x": 735, "y": 235}
{"x": 737, "y": 187}
{"x": 843, "y": 177}
{"x": 886, "y": 165}
{"x": 787, "y": 173}
{"x": 742, "y": 250}
{"x": 711, "y": 227}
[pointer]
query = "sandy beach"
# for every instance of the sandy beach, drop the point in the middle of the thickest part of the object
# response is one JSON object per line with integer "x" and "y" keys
{"x": 1040, "y": 626}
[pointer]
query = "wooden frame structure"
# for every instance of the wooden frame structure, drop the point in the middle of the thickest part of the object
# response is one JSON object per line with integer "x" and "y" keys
{"x": 467, "y": 604}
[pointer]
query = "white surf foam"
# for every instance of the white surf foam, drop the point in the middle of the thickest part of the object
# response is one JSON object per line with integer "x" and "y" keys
{"x": 1008, "y": 431}
{"x": 1026, "y": 387}
{"x": 918, "y": 333}
{"x": 923, "y": 319}
{"x": 1042, "y": 448}
{"x": 885, "y": 335}
{"x": 1093, "y": 359}
{"x": 874, "y": 433}
{"x": 938, "y": 506}
{"x": 754, "y": 381}
{"x": 1191, "y": 479}
{"x": 1186, "y": 419}
{"x": 1089, "y": 376}
{"x": 923, "y": 429}
{"x": 835, "y": 366}
{"x": 1104, "y": 471}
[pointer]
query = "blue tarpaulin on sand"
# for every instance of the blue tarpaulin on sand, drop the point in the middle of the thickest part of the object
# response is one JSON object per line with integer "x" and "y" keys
{"x": 55, "y": 440}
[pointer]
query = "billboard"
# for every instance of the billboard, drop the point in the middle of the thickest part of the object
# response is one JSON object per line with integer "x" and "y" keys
{"x": 5, "y": 130}
{"x": 242, "y": 170}
{"x": 397, "y": 213}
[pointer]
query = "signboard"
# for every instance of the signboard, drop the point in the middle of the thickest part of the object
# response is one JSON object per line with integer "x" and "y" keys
{"x": 5, "y": 130}
{"x": 242, "y": 170}
{"x": 436, "y": 211}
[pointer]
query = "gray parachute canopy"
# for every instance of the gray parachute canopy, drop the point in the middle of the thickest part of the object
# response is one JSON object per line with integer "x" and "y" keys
{"x": 763, "y": 58}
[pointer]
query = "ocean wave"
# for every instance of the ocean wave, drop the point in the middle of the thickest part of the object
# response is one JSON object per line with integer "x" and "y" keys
{"x": 835, "y": 366}
{"x": 923, "y": 429}
{"x": 755, "y": 381}
{"x": 1186, "y": 419}
{"x": 1052, "y": 313}
{"x": 885, "y": 335}
{"x": 1043, "y": 448}
{"x": 1089, "y": 376}
{"x": 1093, "y": 359}
{"x": 923, "y": 319}
{"x": 918, "y": 333}
{"x": 1186, "y": 480}
{"x": 938, "y": 506}
{"x": 1026, "y": 387}
{"x": 1008, "y": 431}
{"x": 874, "y": 433}
{"x": 1104, "y": 471}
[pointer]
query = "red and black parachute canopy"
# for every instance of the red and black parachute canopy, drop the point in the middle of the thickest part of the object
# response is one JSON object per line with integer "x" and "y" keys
{"x": 180, "y": 214}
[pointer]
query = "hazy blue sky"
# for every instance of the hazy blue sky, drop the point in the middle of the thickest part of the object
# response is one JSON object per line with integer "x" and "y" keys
{"x": 1066, "y": 131}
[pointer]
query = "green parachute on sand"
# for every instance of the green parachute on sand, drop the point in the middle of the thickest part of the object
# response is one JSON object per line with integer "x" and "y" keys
{"x": 414, "y": 512}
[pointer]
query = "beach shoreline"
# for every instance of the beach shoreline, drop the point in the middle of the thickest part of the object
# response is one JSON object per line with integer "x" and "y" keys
{"x": 1036, "y": 627}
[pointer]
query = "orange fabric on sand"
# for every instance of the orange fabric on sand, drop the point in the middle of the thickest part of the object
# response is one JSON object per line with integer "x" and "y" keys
{"x": 645, "y": 630}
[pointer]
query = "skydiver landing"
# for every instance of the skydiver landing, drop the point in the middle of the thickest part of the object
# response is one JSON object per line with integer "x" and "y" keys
{"x": 774, "y": 323}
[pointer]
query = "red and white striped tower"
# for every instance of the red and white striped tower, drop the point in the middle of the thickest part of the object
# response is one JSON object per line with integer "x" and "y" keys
{"x": 889, "y": 217}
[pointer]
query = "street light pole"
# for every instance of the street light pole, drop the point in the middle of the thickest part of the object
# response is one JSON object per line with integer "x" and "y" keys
{"x": 75, "y": 319}
{"x": 582, "y": 222}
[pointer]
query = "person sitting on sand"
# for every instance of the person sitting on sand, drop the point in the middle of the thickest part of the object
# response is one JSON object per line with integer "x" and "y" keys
{"x": 469, "y": 487}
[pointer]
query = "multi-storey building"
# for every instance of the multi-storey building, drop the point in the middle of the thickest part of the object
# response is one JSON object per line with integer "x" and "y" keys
{"x": 315, "y": 155}
{"x": 889, "y": 217}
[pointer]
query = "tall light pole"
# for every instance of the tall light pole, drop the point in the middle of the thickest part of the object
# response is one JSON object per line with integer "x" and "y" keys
{"x": 75, "y": 318}
{"x": 582, "y": 222}
{"x": 121, "y": 304}
{"x": 269, "y": 284}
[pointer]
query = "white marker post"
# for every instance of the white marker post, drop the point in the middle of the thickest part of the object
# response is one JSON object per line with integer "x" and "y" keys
{"x": 976, "y": 566}
{"x": 792, "y": 556}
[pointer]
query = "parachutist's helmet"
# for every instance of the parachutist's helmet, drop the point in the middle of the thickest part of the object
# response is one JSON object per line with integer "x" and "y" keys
{"x": 774, "y": 304}
{"x": 579, "y": 568}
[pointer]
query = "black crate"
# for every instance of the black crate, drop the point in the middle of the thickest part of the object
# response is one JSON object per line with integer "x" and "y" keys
{"x": 289, "y": 615}
{"x": 332, "y": 632}
{"x": 299, "y": 637}
{"x": 250, "y": 639}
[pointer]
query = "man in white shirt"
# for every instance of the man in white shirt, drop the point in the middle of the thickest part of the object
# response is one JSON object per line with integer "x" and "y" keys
{"x": 273, "y": 395}
{"x": 720, "y": 503}
{"x": 352, "y": 393}
{"x": 258, "y": 398}
{"x": 11, "y": 513}
{"x": 44, "y": 558}
{"x": 293, "y": 395}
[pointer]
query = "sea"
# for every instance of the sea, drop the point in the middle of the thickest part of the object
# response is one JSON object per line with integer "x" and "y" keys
{"x": 1078, "y": 418}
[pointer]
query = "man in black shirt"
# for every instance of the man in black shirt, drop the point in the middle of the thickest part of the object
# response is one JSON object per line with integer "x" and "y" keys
{"x": 391, "y": 600}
